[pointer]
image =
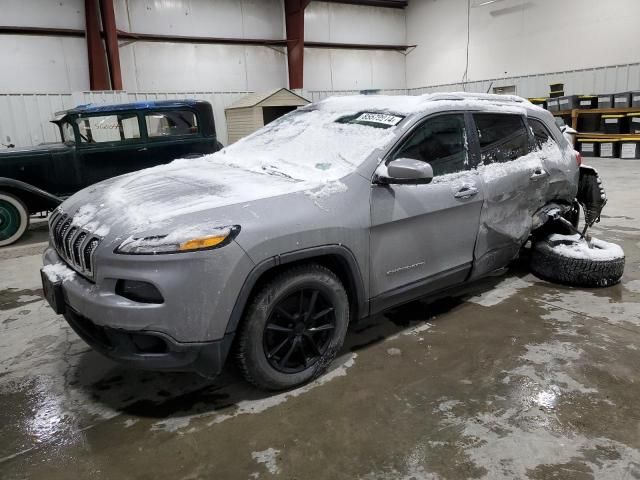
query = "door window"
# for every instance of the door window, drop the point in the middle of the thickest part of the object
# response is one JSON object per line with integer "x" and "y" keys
{"x": 171, "y": 123}
{"x": 502, "y": 137}
{"x": 108, "y": 128}
{"x": 441, "y": 141}
{"x": 540, "y": 132}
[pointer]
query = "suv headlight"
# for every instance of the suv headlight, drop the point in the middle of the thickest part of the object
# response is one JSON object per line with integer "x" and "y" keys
{"x": 180, "y": 241}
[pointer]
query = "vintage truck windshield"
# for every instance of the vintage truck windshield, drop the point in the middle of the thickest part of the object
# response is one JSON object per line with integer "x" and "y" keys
{"x": 68, "y": 136}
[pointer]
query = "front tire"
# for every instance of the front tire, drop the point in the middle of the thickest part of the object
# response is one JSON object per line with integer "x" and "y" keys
{"x": 294, "y": 328}
{"x": 14, "y": 219}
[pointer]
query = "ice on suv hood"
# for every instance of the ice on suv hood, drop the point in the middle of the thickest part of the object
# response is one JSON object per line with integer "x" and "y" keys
{"x": 307, "y": 150}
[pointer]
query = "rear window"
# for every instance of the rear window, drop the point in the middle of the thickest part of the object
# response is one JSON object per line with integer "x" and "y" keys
{"x": 540, "y": 132}
{"x": 373, "y": 119}
{"x": 502, "y": 137}
{"x": 171, "y": 123}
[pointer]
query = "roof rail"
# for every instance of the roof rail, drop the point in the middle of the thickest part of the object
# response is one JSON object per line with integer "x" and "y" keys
{"x": 488, "y": 97}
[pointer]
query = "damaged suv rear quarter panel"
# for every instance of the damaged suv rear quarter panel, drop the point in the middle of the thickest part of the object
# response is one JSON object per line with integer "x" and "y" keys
{"x": 514, "y": 191}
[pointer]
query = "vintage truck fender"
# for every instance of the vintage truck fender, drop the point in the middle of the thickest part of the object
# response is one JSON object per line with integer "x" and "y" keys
{"x": 35, "y": 199}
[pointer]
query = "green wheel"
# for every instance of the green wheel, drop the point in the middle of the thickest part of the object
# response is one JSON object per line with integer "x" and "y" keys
{"x": 14, "y": 219}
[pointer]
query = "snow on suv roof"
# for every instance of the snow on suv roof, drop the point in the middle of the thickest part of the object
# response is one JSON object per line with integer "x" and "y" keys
{"x": 408, "y": 104}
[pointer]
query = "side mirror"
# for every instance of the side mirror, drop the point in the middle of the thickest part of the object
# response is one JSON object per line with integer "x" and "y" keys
{"x": 405, "y": 171}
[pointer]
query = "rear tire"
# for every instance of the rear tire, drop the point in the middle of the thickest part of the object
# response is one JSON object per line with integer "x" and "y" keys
{"x": 293, "y": 328}
{"x": 551, "y": 261}
{"x": 14, "y": 219}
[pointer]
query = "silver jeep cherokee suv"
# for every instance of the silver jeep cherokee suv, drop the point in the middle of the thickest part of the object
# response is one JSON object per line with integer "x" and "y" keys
{"x": 336, "y": 211}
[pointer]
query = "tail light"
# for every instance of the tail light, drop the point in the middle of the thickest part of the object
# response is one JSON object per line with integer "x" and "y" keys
{"x": 578, "y": 157}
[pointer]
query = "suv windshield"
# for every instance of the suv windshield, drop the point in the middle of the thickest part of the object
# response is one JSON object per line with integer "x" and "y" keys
{"x": 312, "y": 144}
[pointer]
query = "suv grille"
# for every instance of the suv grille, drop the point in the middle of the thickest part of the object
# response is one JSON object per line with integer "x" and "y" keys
{"x": 73, "y": 244}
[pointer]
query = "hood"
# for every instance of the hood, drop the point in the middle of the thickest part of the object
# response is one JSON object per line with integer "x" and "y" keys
{"x": 184, "y": 193}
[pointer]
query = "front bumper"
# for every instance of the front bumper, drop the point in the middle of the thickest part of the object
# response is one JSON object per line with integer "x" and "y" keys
{"x": 187, "y": 331}
{"x": 151, "y": 350}
{"x": 199, "y": 292}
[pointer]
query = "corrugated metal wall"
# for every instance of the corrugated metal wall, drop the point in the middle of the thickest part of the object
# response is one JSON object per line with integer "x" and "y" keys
{"x": 610, "y": 79}
{"x": 25, "y": 117}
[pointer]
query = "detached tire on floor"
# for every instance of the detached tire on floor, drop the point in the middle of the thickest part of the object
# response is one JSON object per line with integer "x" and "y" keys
{"x": 293, "y": 328}
{"x": 568, "y": 260}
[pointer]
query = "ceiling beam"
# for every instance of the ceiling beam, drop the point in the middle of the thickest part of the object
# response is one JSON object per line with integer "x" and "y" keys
{"x": 150, "y": 37}
{"x": 374, "y": 3}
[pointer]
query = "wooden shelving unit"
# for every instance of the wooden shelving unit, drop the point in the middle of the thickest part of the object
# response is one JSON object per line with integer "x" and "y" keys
{"x": 608, "y": 136}
{"x": 576, "y": 112}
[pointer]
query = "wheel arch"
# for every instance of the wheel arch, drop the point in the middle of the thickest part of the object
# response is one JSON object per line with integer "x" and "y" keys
{"x": 35, "y": 199}
{"x": 337, "y": 258}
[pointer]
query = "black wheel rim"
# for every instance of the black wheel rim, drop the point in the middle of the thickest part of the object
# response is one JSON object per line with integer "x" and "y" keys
{"x": 299, "y": 330}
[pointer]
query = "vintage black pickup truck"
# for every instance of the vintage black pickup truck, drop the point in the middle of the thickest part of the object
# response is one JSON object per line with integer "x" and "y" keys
{"x": 98, "y": 142}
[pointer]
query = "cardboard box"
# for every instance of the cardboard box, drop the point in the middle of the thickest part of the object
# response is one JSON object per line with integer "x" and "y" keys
{"x": 589, "y": 147}
{"x": 587, "y": 101}
{"x": 609, "y": 148}
{"x": 605, "y": 101}
{"x": 568, "y": 102}
{"x": 614, "y": 123}
{"x": 541, "y": 102}
{"x": 634, "y": 122}
{"x": 622, "y": 100}
{"x": 630, "y": 148}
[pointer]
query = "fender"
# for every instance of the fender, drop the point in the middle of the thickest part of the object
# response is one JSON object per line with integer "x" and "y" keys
{"x": 355, "y": 278}
{"x": 47, "y": 200}
{"x": 549, "y": 211}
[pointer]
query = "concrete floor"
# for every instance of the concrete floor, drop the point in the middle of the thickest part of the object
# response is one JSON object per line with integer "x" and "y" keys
{"x": 520, "y": 379}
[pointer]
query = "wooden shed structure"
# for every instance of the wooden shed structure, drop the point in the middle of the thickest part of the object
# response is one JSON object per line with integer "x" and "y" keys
{"x": 255, "y": 110}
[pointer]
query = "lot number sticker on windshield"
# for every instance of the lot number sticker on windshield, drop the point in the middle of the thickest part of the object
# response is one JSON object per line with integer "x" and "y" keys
{"x": 380, "y": 118}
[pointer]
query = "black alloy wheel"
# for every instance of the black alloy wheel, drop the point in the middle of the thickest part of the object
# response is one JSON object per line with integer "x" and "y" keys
{"x": 293, "y": 328}
{"x": 299, "y": 330}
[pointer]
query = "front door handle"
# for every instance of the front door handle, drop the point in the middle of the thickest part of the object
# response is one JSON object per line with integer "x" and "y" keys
{"x": 466, "y": 192}
{"x": 143, "y": 149}
{"x": 538, "y": 174}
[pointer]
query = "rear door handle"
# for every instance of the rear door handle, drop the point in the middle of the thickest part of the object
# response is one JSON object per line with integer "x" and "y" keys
{"x": 538, "y": 174}
{"x": 466, "y": 192}
{"x": 143, "y": 149}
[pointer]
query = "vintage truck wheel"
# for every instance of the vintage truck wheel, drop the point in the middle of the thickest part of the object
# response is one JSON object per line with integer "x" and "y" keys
{"x": 567, "y": 259}
{"x": 14, "y": 219}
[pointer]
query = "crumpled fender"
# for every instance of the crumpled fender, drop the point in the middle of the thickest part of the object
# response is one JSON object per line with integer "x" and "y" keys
{"x": 12, "y": 184}
{"x": 549, "y": 212}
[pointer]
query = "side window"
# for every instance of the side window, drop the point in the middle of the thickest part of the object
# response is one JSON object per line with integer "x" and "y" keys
{"x": 540, "y": 132}
{"x": 171, "y": 123}
{"x": 108, "y": 128}
{"x": 502, "y": 137}
{"x": 441, "y": 141}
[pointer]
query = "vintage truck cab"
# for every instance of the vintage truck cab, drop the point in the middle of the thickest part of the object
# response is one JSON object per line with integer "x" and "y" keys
{"x": 98, "y": 142}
